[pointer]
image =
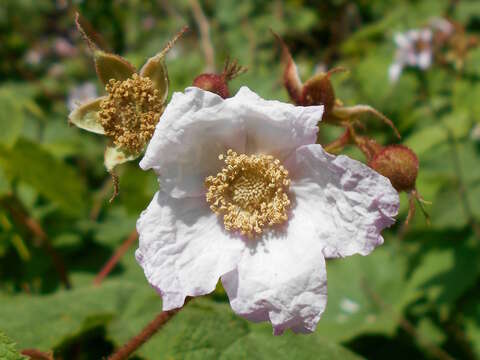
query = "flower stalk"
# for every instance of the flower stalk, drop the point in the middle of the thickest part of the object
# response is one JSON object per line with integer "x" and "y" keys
{"x": 148, "y": 331}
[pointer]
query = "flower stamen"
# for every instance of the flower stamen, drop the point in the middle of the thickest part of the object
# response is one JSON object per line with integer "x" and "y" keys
{"x": 130, "y": 112}
{"x": 250, "y": 192}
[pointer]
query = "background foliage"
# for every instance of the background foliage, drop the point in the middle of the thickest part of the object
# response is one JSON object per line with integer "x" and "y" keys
{"x": 416, "y": 296}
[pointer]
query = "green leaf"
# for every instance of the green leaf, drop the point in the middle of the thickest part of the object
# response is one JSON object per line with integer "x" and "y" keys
{"x": 8, "y": 349}
{"x": 86, "y": 116}
{"x": 156, "y": 70}
{"x": 66, "y": 314}
{"x": 111, "y": 66}
{"x": 13, "y": 101}
{"x": 204, "y": 329}
{"x": 52, "y": 178}
{"x": 115, "y": 156}
{"x": 208, "y": 330}
{"x": 472, "y": 325}
{"x": 358, "y": 289}
{"x": 445, "y": 267}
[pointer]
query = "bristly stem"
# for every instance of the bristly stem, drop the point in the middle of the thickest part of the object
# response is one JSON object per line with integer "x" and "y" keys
{"x": 148, "y": 331}
{"x": 35, "y": 354}
{"x": 110, "y": 264}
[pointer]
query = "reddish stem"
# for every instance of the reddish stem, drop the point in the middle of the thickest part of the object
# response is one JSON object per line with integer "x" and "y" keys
{"x": 35, "y": 354}
{"x": 130, "y": 347}
{"x": 110, "y": 264}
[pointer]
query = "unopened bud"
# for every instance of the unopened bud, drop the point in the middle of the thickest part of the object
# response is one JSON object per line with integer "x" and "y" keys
{"x": 399, "y": 164}
{"x": 218, "y": 83}
{"x": 319, "y": 90}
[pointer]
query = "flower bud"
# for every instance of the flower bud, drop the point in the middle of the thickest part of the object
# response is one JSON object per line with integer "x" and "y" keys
{"x": 399, "y": 164}
{"x": 319, "y": 90}
{"x": 218, "y": 83}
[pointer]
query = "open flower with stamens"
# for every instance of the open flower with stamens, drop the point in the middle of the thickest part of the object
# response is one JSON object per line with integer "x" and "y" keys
{"x": 246, "y": 196}
{"x": 127, "y": 115}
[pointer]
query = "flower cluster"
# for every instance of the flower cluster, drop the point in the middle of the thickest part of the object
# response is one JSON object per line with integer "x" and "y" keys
{"x": 441, "y": 40}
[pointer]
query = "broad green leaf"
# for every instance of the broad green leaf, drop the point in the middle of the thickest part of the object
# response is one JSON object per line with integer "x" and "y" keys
{"x": 446, "y": 266}
{"x": 472, "y": 325}
{"x": 457, "y": 123}
{"x": 8, "y": 349}
{"x": 111, "y": 66}
{"x": 115, "y": 156}
{"x": 365, "y": 294}
{"x": 208, "y": 330}
{"x": 52, "y": 178}
{"x": 4, "y": 183}
{"x": 66, "y": 314}
{"x": 86, "y": 116}
{"x": 156, "y": 70}
{"x": 11, "y": 119}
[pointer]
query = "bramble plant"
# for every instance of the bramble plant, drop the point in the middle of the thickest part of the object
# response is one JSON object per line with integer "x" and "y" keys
{"x": 240, "y": 190}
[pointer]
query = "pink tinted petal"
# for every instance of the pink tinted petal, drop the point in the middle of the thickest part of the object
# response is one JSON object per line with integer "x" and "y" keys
{"x": 274, "y": 127}
{"x": 281, "y": 278}
{"x": 195, "y": 128}
{"x": 183, "y": 249}
{"x": 349, "y": 202}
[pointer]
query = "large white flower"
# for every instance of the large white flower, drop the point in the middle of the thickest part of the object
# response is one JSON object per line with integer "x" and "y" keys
{"x": 247, "y": 196}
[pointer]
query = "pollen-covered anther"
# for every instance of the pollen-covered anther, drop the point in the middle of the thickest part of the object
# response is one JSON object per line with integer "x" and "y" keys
{"x": 130, "y": 112}
{"x": 250, "y": 192}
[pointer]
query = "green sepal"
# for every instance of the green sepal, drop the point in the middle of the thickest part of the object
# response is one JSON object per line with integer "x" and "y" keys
{"x": 115, "y": 156}
{"x": 156, "y": 70}
{"x": 111, "y": 66}
{"x": 87, "y": 117}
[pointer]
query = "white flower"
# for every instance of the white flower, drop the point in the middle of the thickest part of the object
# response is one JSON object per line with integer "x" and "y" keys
{"x": 296, "y": 205}
{"x": 414, "y": 49}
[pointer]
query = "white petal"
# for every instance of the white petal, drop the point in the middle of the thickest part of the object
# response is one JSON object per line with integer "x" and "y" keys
{"x": 274, "y": 127}
{"x": 281, "y": 279}
{"x": 424, "y": 59}
{"x": 394, "y": 71}
{"x": 349, "y": 202}
{"x": 195, "y": 128}
{"x": 183, "y": 249}
{"x": 198, "y": 125}
{"x": 401, "y": 40}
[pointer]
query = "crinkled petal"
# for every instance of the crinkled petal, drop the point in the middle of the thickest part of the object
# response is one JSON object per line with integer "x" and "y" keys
{"x": 195, "y": 128}
{"x": 198, "y": 125}
{"x": 281, "y": 278}
{"x": 183, "y": 249}
{"x": 274, "y": 127}
{"x": 349, "y": 202}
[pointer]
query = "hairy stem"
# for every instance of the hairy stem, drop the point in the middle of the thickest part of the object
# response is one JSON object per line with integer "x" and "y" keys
{"x": 148, "y": 331}
{"x": 110, "y": 264}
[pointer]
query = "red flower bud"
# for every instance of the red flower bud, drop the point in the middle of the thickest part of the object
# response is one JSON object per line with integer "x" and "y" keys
{"x": 399, "y": 164}
{"x": 218, "y": 83}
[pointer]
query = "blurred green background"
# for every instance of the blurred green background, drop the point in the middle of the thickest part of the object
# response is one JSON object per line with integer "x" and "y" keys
{"x": 414, "y": 297}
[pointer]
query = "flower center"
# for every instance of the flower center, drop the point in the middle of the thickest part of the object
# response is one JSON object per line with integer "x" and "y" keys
{"x": 250, "y": 192}
{"x": 130, "y": 112}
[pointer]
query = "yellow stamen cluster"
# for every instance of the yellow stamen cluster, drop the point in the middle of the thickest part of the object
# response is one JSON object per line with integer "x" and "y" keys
{"x": 130, "y": 112}
{"x": 250, "y": 192}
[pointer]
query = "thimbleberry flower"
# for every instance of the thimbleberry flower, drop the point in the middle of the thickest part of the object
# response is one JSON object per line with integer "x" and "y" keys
{"x": 248, "y": 197}
{"x": 127, "y": 115}
{"x": 414, "y": 49}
